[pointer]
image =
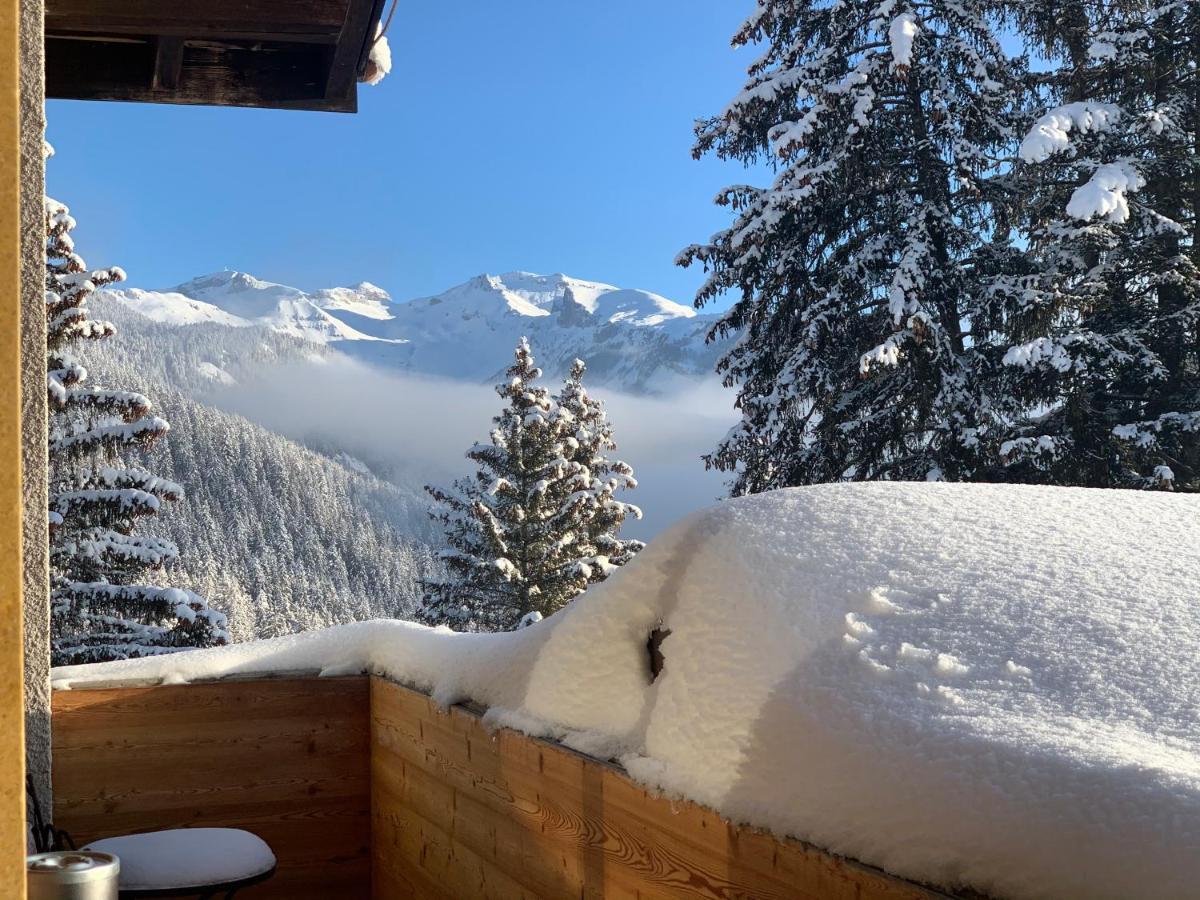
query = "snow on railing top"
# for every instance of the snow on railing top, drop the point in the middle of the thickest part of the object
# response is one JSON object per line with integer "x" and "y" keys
{"x": 986, "y": 683}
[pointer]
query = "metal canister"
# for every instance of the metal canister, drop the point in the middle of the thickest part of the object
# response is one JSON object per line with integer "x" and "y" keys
{"x": 72, "y": 875}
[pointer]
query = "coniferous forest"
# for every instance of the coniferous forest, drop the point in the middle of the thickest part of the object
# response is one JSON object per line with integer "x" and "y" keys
{"x": 100, "y": 606}
{"x": 280, "y": 536}
{"x": 972, "y": 264}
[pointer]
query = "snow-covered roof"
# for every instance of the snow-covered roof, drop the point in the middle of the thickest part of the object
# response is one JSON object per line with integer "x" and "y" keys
{"x": 984, "y": 685}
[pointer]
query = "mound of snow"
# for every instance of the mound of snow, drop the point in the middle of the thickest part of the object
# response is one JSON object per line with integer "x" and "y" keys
{"x": 992, "y": 686}
{"x": 215, "y": 373}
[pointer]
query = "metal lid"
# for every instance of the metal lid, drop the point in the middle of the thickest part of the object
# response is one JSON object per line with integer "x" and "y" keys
{"x": 72, "y": 866}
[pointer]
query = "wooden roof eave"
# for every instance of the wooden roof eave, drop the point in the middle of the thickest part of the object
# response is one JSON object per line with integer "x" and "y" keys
{"x": 283, "y": 54}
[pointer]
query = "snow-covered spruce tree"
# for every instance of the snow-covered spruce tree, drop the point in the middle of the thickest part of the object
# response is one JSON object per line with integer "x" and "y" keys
{"x": 1105, "y": 358}
{"x": 520, "y": 531}
{"x": 861, "y": 274}
{"x": 98, "y": 610}
{"x": 587, "y": 438}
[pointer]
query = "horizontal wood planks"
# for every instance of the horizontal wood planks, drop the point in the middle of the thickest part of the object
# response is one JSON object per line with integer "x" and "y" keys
{"x": 198, "y": 19}
{"x": 266, "y": 76}
{"x": 364, "y": 788}
{"x": 460, "y": 813}
{"x": 284, "y": 758}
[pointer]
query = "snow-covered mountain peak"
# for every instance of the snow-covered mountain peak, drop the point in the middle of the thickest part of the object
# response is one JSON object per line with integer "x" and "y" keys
{"x": 225, "y": 282}
{"x": 174, "y": 308}
{"x": 630, "y": 339}
{"x": 239, "y": 293}
{"x": 285, "y": 309}
{"x": 574, "y": 300}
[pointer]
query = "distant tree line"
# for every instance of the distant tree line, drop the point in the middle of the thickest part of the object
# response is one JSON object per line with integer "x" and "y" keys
{"x": 277, "y": 535}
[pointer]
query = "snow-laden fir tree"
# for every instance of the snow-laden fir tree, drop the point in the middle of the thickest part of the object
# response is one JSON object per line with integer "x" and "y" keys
{"x": 587, "y": 437}
{"x": 1104, "y": 366}
{"x": 537, "y": 522}
{"x": 99, "y": 608}
{"x": 861, "y": 274}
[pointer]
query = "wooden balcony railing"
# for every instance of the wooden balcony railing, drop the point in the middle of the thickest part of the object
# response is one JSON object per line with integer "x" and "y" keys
{"x": 365, "y": 789}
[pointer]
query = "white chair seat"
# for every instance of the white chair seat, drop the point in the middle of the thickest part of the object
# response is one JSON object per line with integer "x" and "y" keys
{"x": 187, "y": 857}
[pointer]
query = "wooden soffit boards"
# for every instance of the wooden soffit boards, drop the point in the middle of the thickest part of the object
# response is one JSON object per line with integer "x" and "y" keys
{"x": 274, "y": 54}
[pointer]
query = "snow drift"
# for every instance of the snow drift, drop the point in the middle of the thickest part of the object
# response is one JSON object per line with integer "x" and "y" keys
{"x": 991, "y": 686}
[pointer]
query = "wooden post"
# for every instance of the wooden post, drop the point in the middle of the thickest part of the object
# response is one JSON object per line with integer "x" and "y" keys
{"x": 12, "y": 717}
{"x": 168, "y": 63}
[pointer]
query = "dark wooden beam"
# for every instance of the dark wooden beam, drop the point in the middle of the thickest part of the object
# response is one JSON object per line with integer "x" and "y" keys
{"x": 168, "y": 63}
{"x": 90, "y": 70}
{"x": 201, "y": 19}
{"x": 272, "y": 77}
{"x": 357, "y": 34}
{"x": 286, "y": 54}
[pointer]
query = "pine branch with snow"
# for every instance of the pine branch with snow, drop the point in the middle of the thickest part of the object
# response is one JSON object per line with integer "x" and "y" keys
{"x": 964, "y": 269}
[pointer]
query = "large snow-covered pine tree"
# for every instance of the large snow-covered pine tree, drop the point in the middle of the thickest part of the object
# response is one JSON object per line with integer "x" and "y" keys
{"x": 1104, "y": 363}
{"x": 99, "y": 610}
{"x": 537, "y": 521}
{"x": 861, "y": 275}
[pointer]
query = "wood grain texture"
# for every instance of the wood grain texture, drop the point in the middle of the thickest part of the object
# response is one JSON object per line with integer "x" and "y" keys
{"x": 349, "y": 56}
{"x": 461, "y": 813}
{"x": 279, "y": 76}
{"x": 168, "y": 63}
{"x": 372, "y": 791}
{"x": 285, "y": 759}
{"x": 198, "y": 19}
{"x": 277, "y": 54}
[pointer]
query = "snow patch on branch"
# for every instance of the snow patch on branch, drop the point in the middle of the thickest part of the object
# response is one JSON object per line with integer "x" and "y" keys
{"x": 1104, "y": 193}
{"x": 1044, "y": 350}
{"x": 901, "y": 34}
{"x": 885, "y": 354}
{"x": 1051, "y": 133}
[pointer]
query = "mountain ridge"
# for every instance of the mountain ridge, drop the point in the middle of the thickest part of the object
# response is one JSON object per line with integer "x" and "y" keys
{"x": 632, "y": 339}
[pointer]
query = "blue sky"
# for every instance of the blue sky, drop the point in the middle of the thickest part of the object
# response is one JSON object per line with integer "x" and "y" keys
{"x": 536, "y": 135}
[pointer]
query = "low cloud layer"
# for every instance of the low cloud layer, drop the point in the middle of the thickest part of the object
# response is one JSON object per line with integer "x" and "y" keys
{"x": 414, "y": 430}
